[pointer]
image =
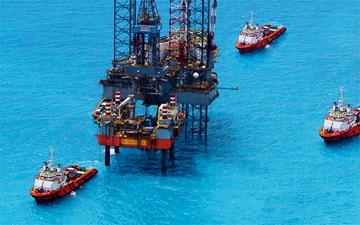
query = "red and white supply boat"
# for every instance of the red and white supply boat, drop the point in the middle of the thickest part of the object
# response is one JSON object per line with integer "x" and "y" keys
{"x": 342, "y": 122}
{"x": 253, "y": 37}
{"x": 53, "y": 182}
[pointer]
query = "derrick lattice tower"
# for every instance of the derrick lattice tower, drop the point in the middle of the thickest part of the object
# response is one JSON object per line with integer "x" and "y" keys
{"x": 178, "y": 35}
{"x": 124, "y": 23}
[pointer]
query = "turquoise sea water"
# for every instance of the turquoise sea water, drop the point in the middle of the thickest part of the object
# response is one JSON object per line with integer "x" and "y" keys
{"x": 264, "y": 163}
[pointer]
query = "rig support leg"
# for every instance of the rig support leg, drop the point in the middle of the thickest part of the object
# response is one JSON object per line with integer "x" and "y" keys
{"x": 107, "y": 155}
{"x": 206, "y": 124}
{"x": 163, "y": 159}
{"x": 171, "y": 153}
{"x": 186, "y": 121}
{"x": 116, "y": 149}
{"x": 200, "y": 120}
{"x": 192, "y": 120}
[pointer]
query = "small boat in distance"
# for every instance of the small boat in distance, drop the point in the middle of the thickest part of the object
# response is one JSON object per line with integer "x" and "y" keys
{"x": 53, "y": 182}
{"x": 342, "y": 122}
{"x": 253, "y": 37}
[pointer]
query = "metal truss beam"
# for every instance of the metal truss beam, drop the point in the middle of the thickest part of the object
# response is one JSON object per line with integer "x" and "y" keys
{"x": 196, "y": 123}
{"x": 124, "y": 22}
{"x": 199, "y": 24}
{"x": 178, "y": 24}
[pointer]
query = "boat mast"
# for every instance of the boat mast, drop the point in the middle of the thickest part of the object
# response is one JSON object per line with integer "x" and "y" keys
{"x": 251, "y": 19}
{"x": 341, "y": 95}
{"x": 51, "y": 160}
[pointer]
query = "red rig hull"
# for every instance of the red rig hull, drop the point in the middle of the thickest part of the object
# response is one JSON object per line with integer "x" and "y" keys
{"x": 132, "y": 142}
{"x": 262, "y": 43}
{"x": 73, "y": 184}
{"x": 338, "y": 136}
{"x": 139, "y": 142}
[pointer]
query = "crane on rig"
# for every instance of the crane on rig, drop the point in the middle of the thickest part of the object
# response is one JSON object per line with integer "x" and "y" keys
{"x": 172, "y": 73}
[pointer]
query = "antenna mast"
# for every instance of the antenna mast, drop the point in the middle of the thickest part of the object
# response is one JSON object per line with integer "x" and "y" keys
{"x": 251, "y": 19}
{"x": 341, "y": 94}
{"x": 51, "y": 160}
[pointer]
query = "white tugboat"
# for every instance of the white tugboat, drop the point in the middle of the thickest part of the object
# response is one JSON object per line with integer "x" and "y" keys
{"x": 253, "y": 37}
{"x": 342, "y": 122}
{"x": 54, "y": 182}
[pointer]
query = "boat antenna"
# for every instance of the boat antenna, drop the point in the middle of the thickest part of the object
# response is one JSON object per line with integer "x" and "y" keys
{"x": 341, "y": 94}
{"x": 51, "y": 160}
{"x": 251, "y": 19}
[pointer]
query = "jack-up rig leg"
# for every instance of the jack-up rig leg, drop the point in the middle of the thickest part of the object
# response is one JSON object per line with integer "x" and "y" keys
{"x": 107, "y": 155}
{"x": 171, "y": 153}
{"x": 163, "y": 159}
{"x": 116, "y": 149}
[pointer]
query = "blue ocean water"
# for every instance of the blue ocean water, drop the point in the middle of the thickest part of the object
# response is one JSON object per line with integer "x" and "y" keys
{"x": 264, "y": 162}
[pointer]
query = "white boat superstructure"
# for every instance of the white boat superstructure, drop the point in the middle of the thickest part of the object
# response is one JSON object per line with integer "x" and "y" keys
{"x": 250, "y": 33}
{"x": 340, "y": 117}
{"x": 51, "y": 176}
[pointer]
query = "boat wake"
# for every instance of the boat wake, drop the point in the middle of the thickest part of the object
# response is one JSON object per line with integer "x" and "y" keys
{"x": 275, "y": 23}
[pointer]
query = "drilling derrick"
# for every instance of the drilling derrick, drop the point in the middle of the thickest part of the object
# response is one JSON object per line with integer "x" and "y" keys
{"x": 147, "y": 34}
{"x": 173, "y": 74}
{"x": 178, "y": 45}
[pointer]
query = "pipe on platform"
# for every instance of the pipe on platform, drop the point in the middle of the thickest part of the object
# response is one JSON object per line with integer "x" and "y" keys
{"x": 126, "y": 101}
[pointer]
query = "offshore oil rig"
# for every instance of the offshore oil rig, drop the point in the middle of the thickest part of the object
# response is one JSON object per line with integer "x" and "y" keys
{"x": 172, "y": 73}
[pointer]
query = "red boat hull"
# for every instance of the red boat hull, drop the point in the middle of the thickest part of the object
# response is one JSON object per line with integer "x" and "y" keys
{"x": 266, "y": 40}
{"x": 73, "y": 184}
{"x": 338, "y": 136}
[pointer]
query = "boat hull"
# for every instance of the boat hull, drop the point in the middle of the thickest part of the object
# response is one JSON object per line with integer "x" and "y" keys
{"x": 73, "y": 184}
{"x": 338, "y": 136}
{"x": 262, "y": 43}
